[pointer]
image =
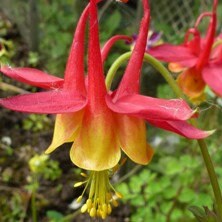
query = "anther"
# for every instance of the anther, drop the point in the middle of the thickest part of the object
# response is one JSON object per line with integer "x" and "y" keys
{"x": 89, "y": 203}
{"x": 101, "y": 194}
{"x": 104, "y": 208}
{"x": 83, "y": 175}
{"x": 78, "y": 184}
{"x": 92, "y": 212}
{"x": 109, "y": 209}
{"x": 103, "y": 215}
{"x": 79, "y": 199}
{"x": 84, "y": 208}
{"x": 119, "y": 195}
{"x": 115, "y": 203}
{"x": 98, "y": 213}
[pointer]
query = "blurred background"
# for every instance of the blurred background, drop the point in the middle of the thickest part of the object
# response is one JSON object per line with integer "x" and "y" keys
{"x": 38, "y": 33}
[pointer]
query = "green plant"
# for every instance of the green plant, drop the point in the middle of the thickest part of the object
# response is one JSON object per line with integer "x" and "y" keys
{"x": 12, "y": 208}
{"x": 55, "y": 216}
{"x": 40, "y": 166}
{"x": 164, "y": 192}
{"x": 35, "y": 123}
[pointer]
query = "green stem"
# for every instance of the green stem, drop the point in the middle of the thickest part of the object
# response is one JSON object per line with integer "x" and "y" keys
{"x": 33, "y": 206}
{"x": 148, "y": 58}
{"x": 104, "y": 8}
{"x": 34, "y": 25}
{"x": 129, "y": 174}
{"x": 169, "y": 79}
{"x": 213, "y": 177}
{"x": 8, "y": 87}
{"x": 139, "y": 13}
{"x": 33, "y": 199}
{"x": 175, "y": 201}
{"x": 70, "y": 217}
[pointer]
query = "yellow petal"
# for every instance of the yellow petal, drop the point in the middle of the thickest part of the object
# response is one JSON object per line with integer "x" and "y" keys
{"x": 198, "y": 99}
{"x": 175, "y": 67}
{"x": 96, "y": 147}
{"x": 66, "y": 129}
{"x": 191, "y": 82}
{"x": 132, "y": 136}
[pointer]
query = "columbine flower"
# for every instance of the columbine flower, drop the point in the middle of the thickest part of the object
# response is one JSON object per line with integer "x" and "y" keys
{"x": 100, "y": 122}
{"x": 153, "y": 39}
{"x": 199, "y": 62}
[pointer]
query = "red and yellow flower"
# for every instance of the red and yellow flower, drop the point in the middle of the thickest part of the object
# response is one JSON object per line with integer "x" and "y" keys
{"x": 100, "y": 123}
{"x": 199, "y": 59}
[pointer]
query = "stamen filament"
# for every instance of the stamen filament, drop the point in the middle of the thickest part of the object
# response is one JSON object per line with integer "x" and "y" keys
{"x": 101, "y": 194}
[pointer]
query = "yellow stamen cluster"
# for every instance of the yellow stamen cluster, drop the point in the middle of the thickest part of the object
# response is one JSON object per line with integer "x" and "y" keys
{"x": 102, "y": 195}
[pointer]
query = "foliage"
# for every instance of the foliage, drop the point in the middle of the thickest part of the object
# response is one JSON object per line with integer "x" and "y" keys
{"x": 6, "y": 50}
{"x": 164, "y": 190}
{"x": 55, "y": 216}
{"x": 204, "y": 215}
{"x": 176, "y": 181}
{"x": 42, "y": 166}
{"x": 36, "y": 123}
{"x": 12, "y": 209}
{"x": 57, "y": 38}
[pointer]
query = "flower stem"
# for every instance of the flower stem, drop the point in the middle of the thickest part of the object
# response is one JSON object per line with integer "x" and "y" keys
{"x": 33, "y": 199}
{"x": 129, "y": 174}
{"x": 33, "y": 206}
{"x": 8, "y": 87}
{"x": 172, "y": 83}
{"x": 70, "y": 217}
{"x": 154, "y": 62}
{"x": 213, "y": 177}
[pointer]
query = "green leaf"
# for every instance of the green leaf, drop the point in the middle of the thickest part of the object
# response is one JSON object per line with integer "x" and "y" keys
{"x": 135, "y": 184}
{"x": 165, "y": 182}
{"x": 164, "y": 91}
{"x": 54, "y": 216}
{"x": 187, "y": 195}
{"x": 188, "y": 161}
{"x": 170, "y": 192}
{"x": 142, "y": 214}
{"x": 123, "y": 189}
{"x": 145, "y": 176}
{"x": 154, "y": 188}
{"x": 165, "y": 207}
{"x": 187, "y": 177}
{"x": 203, "y": 199}
{"x": 211, "y": 215}
{"x": 138, "y": 201}
{"x": 203, "y": 215}
{"x": 111, "y": 24}
{"x": 173, "y": 167}
{"x": 177, "y": 214}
